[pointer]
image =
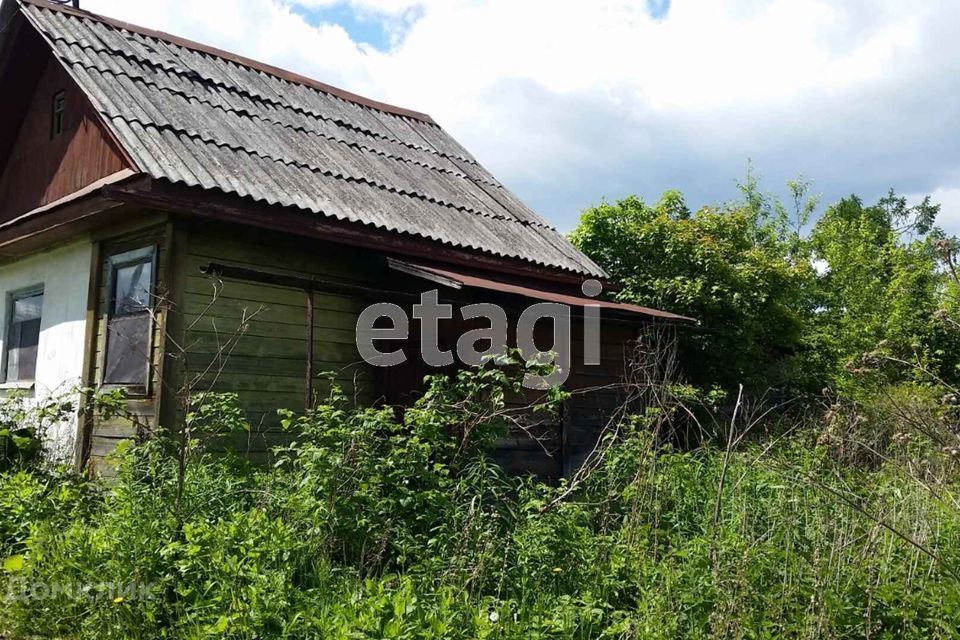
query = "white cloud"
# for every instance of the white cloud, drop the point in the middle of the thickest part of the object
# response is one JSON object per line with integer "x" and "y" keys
{"x": 568, "y": 101}
{"x": 392, "y": 7}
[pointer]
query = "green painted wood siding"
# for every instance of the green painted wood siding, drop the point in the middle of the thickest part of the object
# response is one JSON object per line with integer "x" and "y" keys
{"x": 266, "y": 365}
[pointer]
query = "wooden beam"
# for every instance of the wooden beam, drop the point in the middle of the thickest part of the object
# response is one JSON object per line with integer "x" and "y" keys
{"x": 414, "y": 270}
{"x": 81, "y": 212}
{"x": 297, "y": 282}
{"x": 91, "y": 320}
{"x": 90, "y": 189}
{"x": 308, "y": 403}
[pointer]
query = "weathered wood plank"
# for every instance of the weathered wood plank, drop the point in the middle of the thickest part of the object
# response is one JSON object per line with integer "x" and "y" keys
{"x": 259, "y": 366}
{"x": 229, "y": 315}
{"x": 271, "y": 347}
{"x": 258, "y": 328}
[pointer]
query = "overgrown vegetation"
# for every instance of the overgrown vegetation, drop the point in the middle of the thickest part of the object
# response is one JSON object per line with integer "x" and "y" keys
{"x": 367, "y": 526}
{"x": 785, "y": 303}
{"x": 23, "y": 424}
{"x": 831, "y": 513}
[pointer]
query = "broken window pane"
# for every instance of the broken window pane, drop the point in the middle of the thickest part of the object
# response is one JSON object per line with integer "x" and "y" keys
{"x": 133, "y": 285}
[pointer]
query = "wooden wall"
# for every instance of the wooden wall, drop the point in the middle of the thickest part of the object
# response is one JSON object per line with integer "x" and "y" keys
{"x": 230, "y": 334}
{"x": 39, "y": 169}
{"x": 547, "y": 447}
{"x": 266, "y": 364}
{"x": 562, "y": 444}
{"x": 586, "y": 415}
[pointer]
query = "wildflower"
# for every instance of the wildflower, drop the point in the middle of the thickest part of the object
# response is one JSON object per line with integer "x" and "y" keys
{"x": 557, "y": 570}
{"x": 118, "y": 599}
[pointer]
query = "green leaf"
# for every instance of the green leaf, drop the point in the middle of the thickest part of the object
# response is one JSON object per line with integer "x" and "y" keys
{"x": 220, "y": 626}
{"x": 21, "y": 442}
{"x": 13, "y": 564}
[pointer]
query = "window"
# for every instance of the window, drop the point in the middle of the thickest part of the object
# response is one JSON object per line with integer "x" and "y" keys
{"x": 23, "y": 336}
{"x": 129, "y": 319}
{"x": 57, "y": 114}
{"x": 132, "y": 288}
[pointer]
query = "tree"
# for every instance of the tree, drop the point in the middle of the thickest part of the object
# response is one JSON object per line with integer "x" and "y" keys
{"x": 880, "y": 288}
{"x": 841, "y": 306}
{"x": 730, "y": 267}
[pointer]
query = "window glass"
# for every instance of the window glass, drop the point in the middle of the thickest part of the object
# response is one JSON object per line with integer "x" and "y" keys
{"x": 57, "y": 114}
{"x": 133, "y": 284}
{"x": 28, "y": 308}
{"x": 128, "y": 351}
{"x": 23, "y": 337}
{"x": 127, "y": 356}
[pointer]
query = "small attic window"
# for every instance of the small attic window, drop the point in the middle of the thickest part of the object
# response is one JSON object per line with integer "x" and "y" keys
{"x": 57, "y": 111}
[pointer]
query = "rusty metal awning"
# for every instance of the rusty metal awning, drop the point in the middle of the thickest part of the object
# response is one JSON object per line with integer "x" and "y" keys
{"x": 458, "y": 280}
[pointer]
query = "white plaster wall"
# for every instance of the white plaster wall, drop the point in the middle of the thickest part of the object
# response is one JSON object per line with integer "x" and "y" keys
{"x": 64, "y": 274}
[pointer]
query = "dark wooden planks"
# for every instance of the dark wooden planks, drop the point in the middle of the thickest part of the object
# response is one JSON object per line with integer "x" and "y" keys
{"x": 41, "y": 169}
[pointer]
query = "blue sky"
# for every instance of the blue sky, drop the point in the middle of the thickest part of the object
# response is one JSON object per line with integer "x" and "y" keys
{"x": 658, "y": 8}
{"x": 382, "y": 29}
{"x": 364, "y": 28}
{"x": 568, "y": 102}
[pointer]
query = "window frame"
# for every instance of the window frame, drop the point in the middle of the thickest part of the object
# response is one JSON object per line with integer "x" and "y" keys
{"x": 115, "y": 262}
{"x": 58, "y": 114}
{"x": 12, "y": 297}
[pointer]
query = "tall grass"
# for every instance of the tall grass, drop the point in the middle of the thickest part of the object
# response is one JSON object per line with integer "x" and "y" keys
{"x": 370, "y": 527}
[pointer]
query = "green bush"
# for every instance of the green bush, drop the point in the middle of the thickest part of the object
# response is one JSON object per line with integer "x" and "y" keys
{"x": 783, "y": 304}
{"x": 23, "y": 425}
{"x": 372, "y": 526}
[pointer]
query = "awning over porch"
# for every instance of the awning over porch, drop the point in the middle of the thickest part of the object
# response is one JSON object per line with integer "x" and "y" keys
{"x": 458, "y": 280}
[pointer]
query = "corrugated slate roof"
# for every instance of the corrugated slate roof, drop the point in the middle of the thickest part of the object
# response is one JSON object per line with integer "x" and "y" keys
{"x": 197, "y": 116}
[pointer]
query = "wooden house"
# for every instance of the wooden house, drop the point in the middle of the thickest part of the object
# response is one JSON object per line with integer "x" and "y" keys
{"x": 157, "y": 194}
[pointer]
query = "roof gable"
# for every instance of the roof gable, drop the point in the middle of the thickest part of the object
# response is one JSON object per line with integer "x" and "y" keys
{"x": 38, "y": 167}
{"x": 201, "y": 117}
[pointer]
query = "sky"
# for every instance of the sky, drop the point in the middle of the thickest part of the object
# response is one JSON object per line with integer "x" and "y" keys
{"x": 572, "y": 102}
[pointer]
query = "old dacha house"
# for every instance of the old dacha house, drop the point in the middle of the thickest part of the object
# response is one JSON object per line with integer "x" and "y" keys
{"x": 174, "y": 215}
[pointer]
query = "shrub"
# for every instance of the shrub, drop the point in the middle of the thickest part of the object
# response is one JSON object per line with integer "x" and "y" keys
{"x": 24, "y": 423}
{"x": 380, "y": 526}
